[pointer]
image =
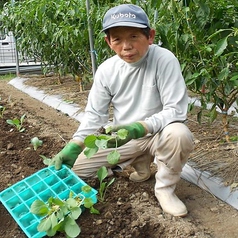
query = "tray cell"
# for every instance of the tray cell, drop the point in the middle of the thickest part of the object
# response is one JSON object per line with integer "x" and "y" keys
{"x": 71, "y": 181}
{"x": 39, "y": 187}
{"x": 77, "y": 188}
{"x": 28, "y": 220}
{"x": 44, "y": 173}
{"x": 64, "y": 195}
{"x": 13, "y": 202}
{"x": 63, "y": 173}
{"x": 44, "y": 196}
{"x": 20, "y": 187}
{"x": 33, "y": 232}
{"x": 51, "y": 180}
{"x": 32, "y": 180}
{"x": 7, "y": 194}
{"x": 27, "y": 194}
{"x": 59, "y": 188}
{"x": 20, "y": 211}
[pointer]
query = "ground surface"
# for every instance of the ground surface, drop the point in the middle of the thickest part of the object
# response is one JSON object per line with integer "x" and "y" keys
{"x": 130, "y": 210}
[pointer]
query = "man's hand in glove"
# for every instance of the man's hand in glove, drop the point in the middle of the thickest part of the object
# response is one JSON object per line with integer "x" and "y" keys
{"x": 67, "y": 155}
{"x": 135, "y": 130}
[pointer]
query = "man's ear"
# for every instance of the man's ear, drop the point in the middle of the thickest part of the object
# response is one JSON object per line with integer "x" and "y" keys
{"x": 151, "y": 36}
{"x": 108, "y": 41}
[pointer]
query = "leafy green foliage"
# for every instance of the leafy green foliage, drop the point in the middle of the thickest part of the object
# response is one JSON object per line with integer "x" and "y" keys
{"x": 2, "y": 110}
{"x": 36, "y": 142}
{"x": 61, "y": 215}
{"x": 102, "y": 174}
{"x": 46, "y": 160}
{"x": 100, "y": 141}
{"x": 17, "y": 123}
{"x": 61, "y": 28}
{"x": 204, "y": 36}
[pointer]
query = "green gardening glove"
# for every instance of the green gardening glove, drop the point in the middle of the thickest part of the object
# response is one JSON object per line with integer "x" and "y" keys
{"x": 135, "y": 130}
{"x": 67, "y": 156}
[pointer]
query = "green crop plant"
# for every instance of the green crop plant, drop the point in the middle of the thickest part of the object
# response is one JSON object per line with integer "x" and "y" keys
{"x": 97, "y": 141}
{"x": 2, "y": 110}
{"x": 203, "y": 34}
{"x": 61, "y": 215}
{"x": 17, "y": 123}
{"x": 102, "y": 174}
{"x": 36, "y": 142}
{"x": 100, "y": 140}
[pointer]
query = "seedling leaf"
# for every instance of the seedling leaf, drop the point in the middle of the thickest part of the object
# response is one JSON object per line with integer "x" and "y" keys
{"x": 108, "y": 129}
{"x": 102, "y": 173}
{"x": 88, "y": 202}
{"x": 38, "y": 207}
{"x": 113, "y": 157}
{"x": 76, "y": 212}
{"x": 94, "y": 210}
{"x": 51, "y": 232}
{"x": 122, "y": 134}
{"x": 86, "y": 189}
{"x": 89, "y": 152}
{"x": 90, "y": 141}
{"x": 53, "y": 220}
{"x": 71, "y": 228}
{"x": 111, "y": 182}
{"x": 22, "y": 118}
{"x": 44, "y": 225}
{"x": 101, "y": 144}
{"x": 46, "y": 160}
{"x": 71, "y": 202}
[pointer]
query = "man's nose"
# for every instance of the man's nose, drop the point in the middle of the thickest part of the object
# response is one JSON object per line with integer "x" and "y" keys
{"x": 127, "y": 45}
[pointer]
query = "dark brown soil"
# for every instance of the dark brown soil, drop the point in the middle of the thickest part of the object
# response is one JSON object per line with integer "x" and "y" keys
{"x": 130, "y": 210}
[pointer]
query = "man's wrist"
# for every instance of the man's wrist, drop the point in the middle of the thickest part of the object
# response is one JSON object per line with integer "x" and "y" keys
{"x": 145, "y": 126}
{"x": 78, "y": 142}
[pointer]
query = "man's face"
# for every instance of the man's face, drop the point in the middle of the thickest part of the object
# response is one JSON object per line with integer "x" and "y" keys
{"x": 129, "y": 43}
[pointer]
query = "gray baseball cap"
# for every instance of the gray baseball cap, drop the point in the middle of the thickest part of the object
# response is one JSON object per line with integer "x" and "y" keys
{"x": 125, "y": 15}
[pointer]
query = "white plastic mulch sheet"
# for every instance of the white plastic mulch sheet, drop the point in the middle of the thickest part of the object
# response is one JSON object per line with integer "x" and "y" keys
{"x": 54, "y": 101}
{"x": 211, "y": 184}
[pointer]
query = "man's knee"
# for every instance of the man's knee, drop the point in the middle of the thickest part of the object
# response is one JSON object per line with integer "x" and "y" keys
{"x": 178, "y": 132}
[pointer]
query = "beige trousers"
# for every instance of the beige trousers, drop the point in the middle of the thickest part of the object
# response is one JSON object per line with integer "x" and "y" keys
{"x": 171, "y": 146}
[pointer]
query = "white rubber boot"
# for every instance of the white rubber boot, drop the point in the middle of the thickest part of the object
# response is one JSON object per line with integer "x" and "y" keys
{"x": 142, "y": 168}
{"x": 165, "y": 185}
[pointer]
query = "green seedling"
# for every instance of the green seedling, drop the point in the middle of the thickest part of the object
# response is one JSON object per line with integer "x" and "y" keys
{"x": 99, "y": 141}
{"x": 102, "y": 174}
{"x": 46, "y": 160}
{"x": 2, "y": 109}
{"x": 36, "y": 142}
{"x": 60, "y": 215}
{"x": 17, "y": 123}
{"x": 88, "y": 201}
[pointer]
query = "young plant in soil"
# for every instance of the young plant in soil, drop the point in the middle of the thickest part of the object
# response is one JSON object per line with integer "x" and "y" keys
{"x": 36, "y": 142}
{"x": 97, "y": 141}
{"x": 102, "y": 174}
{"x": 2, "y": 109}
{"x": 17, "y": 123}
{"x": 61, "y": 215}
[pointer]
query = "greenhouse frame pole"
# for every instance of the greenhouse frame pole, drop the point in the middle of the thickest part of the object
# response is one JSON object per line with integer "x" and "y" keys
{"x": 91, "y": 41}
{"x": 16, "y": 52}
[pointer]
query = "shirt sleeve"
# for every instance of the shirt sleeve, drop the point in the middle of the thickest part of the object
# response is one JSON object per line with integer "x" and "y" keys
{"x": 97, "y": 109}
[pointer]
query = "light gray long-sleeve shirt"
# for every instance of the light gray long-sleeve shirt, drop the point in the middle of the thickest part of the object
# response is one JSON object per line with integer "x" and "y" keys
{"x": 151, "y": 90}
